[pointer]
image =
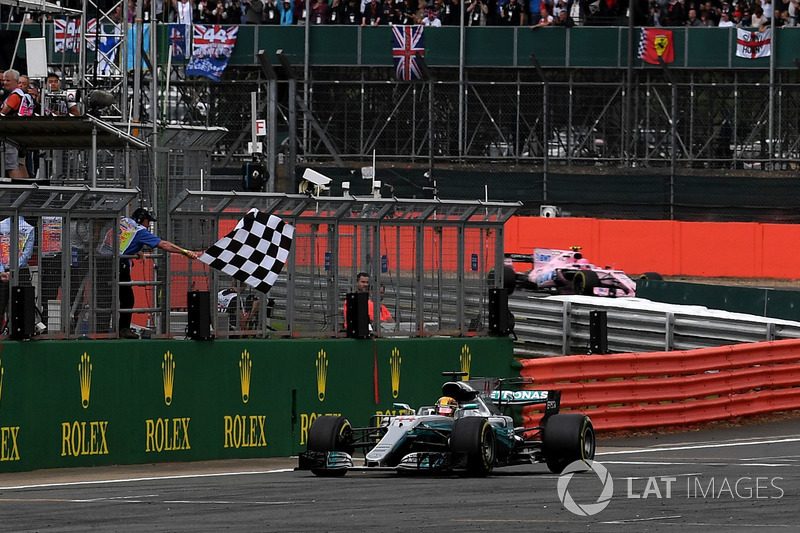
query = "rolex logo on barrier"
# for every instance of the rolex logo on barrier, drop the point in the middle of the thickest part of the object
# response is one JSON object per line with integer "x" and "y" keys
{"x": 322, "y": 374}
{"x": 466, "y": 359}
{"x": 245, "y": 368}
{"x": 85, "y": 373}
{"x": 84, "y": 437}
{"x": 9, "y": 451}
{"x": 168, "y": 376}
{"x": 394, "y": 363}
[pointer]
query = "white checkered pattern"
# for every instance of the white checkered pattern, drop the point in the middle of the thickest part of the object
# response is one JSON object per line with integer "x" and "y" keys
{"x": 254, "y": 252}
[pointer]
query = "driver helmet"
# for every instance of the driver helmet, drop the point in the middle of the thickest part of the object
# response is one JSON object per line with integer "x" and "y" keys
{"x": 446, "y": 406}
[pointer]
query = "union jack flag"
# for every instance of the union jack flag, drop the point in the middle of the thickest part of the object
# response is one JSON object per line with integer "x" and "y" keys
{"x": 406, "y": 42}
{"x": 212, "y": 47}
{"x": 68, "y": 34}
{"x": 179, "y": 48}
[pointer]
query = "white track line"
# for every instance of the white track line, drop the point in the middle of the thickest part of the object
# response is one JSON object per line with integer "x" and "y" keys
{"x": 149, "y": 478}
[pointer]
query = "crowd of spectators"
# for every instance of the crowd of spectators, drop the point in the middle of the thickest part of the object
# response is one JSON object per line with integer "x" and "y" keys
{"x": 535, "y": 13}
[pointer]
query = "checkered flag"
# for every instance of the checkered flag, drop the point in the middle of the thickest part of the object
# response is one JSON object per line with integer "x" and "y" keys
{"x": 254, "y": 252}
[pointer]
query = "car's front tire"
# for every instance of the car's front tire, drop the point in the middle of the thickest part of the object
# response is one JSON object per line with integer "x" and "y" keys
{"x": 584, "y": 282}
{"x": 473, "y": 437}
{"x": 568, "y": 437}
{"x": 330, "y": 434}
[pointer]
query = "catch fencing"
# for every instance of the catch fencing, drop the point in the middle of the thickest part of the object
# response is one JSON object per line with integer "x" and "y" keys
{"x": 642, "y": 390}
{"x": 431, "y": 258}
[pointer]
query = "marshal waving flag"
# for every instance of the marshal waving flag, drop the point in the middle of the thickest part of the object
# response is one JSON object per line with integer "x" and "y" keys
{"x": 406, "y": 42}
{"x": 753, "y": 44}
{"x": 655, "y": 43}
{"x": 212, "y": 48}
{"x": 254, "y": 252}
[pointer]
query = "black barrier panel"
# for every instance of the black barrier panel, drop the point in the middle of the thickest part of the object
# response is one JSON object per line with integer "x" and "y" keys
{"x": 23, "y": 315}
{"x": 598, "y": 332}
{"x": 499, "y": 323}
{"x": 357, "y": 315}
{"x": 199, "y": 319}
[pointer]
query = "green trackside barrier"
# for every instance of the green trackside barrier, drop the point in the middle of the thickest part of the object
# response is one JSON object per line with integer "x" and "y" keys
{"x": 509, "y": 47}
{"x": 86, "y": 403}
{"x": 759, "y": 301}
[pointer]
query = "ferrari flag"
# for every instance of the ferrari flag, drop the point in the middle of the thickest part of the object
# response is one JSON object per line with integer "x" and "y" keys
{"x": 753, "y": 44}
{"x": 254, "y": 252}
{"x": 212, "y": 47}
{"x": 406, "y": 42}
{"x": 655, "y": 43}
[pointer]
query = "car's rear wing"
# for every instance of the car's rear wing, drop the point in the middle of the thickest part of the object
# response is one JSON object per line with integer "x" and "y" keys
{"x": 520, "y": 258}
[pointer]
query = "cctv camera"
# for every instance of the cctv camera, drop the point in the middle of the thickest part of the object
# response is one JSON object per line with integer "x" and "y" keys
{"x": 316, "y": 178}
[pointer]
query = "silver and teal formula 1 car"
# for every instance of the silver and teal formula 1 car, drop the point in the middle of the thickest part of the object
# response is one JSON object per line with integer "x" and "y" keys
{"x": 475, "y": 440}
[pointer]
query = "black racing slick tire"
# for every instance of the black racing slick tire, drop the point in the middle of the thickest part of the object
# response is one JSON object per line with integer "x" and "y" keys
{"x": 473, "y": 439}
{"x": 651, "y": 275}
{"x": 330, "y": 434}
{"x": 584, "y": 282}
{"x": 568, "y": 437}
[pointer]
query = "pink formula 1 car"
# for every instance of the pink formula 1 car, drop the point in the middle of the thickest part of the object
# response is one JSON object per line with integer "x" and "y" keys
{"x": 568, "y": 272}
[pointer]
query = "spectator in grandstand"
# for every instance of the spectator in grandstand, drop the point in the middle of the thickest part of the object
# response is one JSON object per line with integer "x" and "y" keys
{"x": 477, "y": 13}
{"x": 558, "y": 7}
{"x": 577, "y": 10}
{"x": 674, "y": 14}
{"x": 320, "y": 12}
{"x": 794, "y": 12}
{"x": 725, "y": 21}
{"x": 286, "y": 9}
{"x": 58, "y": 103}
{"x": 692, "y": 20}
{"x": 406, "y": 10}
{"x": 337, "y": 14}
{"x": 563, "y": 20}
{"x": 707, "y": 19}
{"x": 27, "y": 237}
{"x": 431, "y": 18}
{"x": 372, "y": 14}
{"x": 184, "y": 11}
{"x": 253, "y": 11}
{"x": 450, "y": 13}
{"x": 766, "y": 5}
{"x": 271, "y": 13}
{"x": 545, "y": 18}
{"x": 784, "y": 19}
{"x": 511, "y": 13}
{"x": 534, "y": 11}
{"x": 15, "y": 104}
{"x": 758, "y": 19}
{"x": 737, "y": 19}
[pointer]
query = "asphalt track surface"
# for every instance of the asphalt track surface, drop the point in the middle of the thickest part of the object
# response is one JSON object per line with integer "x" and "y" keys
{"x": 744, "y": 478}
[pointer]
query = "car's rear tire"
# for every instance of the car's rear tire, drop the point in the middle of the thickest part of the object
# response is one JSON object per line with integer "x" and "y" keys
{"x": 473, "y": 437}
{"x": 568, "y": 437}
{"x": 330, "y": 434}
{"x": 651, "y": 275}
{"x": 584, "y": 282}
